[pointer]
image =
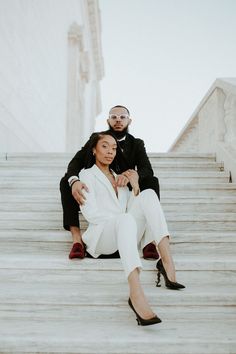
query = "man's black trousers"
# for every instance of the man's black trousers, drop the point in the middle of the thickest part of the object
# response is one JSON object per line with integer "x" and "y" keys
{"x": 71, "y": 207}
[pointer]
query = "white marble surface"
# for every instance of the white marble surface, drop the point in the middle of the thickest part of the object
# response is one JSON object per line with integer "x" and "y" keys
{"x": 211, "y": 128}
{"x": 50, "y": 304}
{"x": 34, "y": 69}
{"x": 119, "y": 336}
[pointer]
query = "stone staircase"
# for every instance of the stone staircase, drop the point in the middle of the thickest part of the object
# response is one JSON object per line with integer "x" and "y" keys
{"x": 50, "y": 304}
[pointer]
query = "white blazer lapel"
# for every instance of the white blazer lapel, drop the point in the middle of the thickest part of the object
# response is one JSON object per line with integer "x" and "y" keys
{"x": 98, "y": 173}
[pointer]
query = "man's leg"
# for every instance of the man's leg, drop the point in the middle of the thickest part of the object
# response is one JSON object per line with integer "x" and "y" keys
{"x": 150, "y": 183}
{"x": 71, "y": 219}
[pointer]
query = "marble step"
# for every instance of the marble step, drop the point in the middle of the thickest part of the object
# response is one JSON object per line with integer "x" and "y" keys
{"x": 183, "y": 157}
{"x": 61, "y": 249}
{"x": 167, "y": 190}
{"x": 65, "y": 159}
{"x": 167, "y": 207}
{"x": 177, "y": 194}
{"x": 46, "y": 299}
{"x": 38, "y": 166}
{"x": 170, "y": 216}
{"x": 11, "y": 198}
{"x": 193, "y": 174}
{"x": 61, "y": 236}
{"x": 173, "y": 206}
{"x": 53, "y": 311}
{"x": 198, "y": 207}
{"x": 173, "y": 226}
{"x": 52, "y": 181}
{"x": 199, "y": 278}
{"x": 165, "y": 161}
{"x": 16, "y": 182}
{"x": 34, "y": 171}
{"x": 44, "y": 261}
{"x": 56, "y": 198}
{"x": 65, "y": 294}
{"x": 175, "y": 221}
{"x": 198, "y": 190}
{"x": 46, "y": 198}
{"x": 187, "y": 178}
{"x": 114, "y": 330}
{"x": 193, "y": 179}
{"x": 22, "y": 186}
{"x": 212, "y": 286}
{"x": 160, "y": 174}
{"x": 68, "y": 155}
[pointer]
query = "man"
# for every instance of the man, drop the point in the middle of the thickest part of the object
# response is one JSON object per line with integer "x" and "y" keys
{"x": 132, "y": 159}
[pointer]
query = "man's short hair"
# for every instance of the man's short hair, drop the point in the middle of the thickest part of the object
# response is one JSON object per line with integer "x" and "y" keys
{"x": 119, "y": 106}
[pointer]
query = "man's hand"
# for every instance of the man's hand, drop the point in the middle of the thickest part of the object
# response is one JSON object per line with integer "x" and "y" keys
{"x": 77, "y": 191}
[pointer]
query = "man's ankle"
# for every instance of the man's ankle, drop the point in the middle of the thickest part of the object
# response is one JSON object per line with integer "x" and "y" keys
{"x": 76, "y": 234}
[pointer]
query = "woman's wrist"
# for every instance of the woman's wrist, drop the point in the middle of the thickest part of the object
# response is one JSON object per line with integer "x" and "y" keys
{"x": 136, "y": 189}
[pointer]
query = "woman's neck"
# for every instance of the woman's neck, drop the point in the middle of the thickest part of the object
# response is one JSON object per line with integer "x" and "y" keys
{"x": 103, "y": 167}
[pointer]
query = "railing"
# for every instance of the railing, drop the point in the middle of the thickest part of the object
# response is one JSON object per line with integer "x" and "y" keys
{"x": 212, "y": 127}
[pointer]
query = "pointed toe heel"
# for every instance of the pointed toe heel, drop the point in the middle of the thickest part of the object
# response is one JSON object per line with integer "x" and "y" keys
{"x": 141, "y": 321}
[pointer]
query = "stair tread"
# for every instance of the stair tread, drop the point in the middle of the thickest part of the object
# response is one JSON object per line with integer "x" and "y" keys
{"x": 170, "y": 216}
{"x": 51, "y": 304}
{"x": 43, "y": 261}
{"x": 165, "y": 186}
{"x": 99, "y": 338}
{"x": 64, "y": 293}
{"x": 110, "y": 335}
{"x": 64, "y": 236}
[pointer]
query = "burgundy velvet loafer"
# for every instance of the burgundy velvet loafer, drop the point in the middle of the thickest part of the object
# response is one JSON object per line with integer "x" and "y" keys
{"x": 77, "y": 251}
{"x": 150, "y": 251}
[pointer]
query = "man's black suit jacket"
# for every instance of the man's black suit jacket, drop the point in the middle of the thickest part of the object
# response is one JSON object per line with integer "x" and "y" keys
{"x": 134, "y": 156}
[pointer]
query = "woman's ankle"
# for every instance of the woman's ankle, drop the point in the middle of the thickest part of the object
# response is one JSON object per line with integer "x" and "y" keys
{"x": 170, "y": 269}
{"x": 141, "y": 305}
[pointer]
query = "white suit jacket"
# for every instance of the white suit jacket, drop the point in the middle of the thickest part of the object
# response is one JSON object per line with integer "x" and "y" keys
{"x": 101, "y": 204}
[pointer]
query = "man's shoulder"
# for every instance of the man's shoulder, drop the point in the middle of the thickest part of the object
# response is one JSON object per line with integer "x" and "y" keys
{"x": 135, "y": 140}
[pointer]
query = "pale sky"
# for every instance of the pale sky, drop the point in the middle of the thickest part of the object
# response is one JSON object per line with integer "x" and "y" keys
{"x": 160, "y": 58}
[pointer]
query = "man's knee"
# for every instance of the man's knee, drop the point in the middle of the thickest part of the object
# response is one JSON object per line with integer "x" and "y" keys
{"x": 150, "y": 182}
{"x": 66, "y": 194}
{"x": 64, "y": 184}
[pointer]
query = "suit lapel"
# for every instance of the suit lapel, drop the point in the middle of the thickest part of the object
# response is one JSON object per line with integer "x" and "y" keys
{"x": 102, "y": 178}
{"x": 127, "y": 149}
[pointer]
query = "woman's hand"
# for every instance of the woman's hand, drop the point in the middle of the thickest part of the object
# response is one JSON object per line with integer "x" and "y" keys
{"x": 77, "y": 191}
{"x": 121, "y": 181}
{"x": 133, "y": 178}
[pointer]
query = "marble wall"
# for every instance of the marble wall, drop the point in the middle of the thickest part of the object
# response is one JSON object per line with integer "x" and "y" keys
{"x": 49, "y": 91}
{"x": 212, "y": 127}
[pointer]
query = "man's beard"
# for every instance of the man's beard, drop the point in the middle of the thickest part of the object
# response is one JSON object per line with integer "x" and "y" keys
{"x": 120, "y": 134}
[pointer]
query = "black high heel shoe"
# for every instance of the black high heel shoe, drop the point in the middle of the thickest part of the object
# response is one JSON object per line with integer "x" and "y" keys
{"x": 141, "y": 321}
{"x": 169, "y": 284}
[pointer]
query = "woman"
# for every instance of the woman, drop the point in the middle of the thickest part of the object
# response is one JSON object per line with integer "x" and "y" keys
{"x": 123, "y": 220}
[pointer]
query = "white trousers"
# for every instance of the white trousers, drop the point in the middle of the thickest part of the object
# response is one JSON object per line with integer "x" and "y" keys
{"x": 143, "y": 223}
